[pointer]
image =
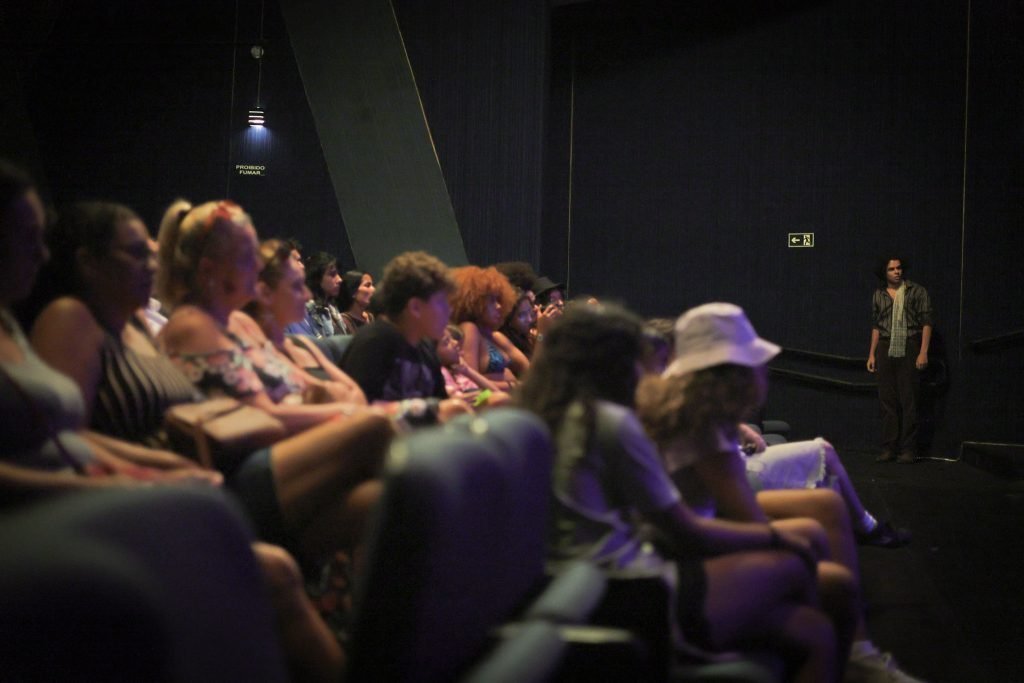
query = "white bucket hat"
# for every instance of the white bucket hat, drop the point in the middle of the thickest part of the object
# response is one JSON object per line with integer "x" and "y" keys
{"x": 714, "y": 334}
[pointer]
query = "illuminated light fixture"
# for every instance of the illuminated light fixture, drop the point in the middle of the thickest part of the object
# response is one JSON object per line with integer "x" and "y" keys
{"x": 256, "y": 117}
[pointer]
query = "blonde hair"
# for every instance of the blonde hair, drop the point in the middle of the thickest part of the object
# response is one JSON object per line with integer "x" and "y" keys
{"x": 187, "y": 234}
{"x": 697, "y": 404}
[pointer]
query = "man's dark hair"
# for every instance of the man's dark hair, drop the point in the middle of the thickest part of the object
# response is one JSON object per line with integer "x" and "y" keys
{"x": 883, "y": 264}
{"x": 413, "y": 274}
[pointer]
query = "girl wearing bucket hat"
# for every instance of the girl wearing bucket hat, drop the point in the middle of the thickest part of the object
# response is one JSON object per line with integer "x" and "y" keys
{"x": 694, "y": 412}
{"x": 719, "y": 335}
{"x": 733, "y": 584}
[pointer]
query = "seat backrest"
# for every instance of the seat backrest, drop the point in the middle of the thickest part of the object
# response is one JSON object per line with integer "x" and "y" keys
{"x": 134, "y": 584}
{"x": 457, "y": 546}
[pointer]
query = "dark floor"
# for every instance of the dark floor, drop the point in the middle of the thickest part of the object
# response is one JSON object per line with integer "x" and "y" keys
{"x": 950, "y": 606}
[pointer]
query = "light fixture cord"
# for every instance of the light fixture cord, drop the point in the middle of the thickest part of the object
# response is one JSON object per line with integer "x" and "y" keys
{"x": 259, "y": 65}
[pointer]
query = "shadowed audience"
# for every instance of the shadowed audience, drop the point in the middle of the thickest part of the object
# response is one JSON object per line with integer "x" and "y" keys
{"x": 87, "y": 413}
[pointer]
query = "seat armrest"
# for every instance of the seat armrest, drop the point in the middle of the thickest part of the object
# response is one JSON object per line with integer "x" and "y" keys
{"x": 586, "y": 653}
{"x": 571, "y": 595}
{"x": 780, "y": 427}
{"x": 525, "y": 653}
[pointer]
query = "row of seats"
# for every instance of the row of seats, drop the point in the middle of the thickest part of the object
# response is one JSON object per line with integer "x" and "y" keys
{"x": 160, "y": 584}
{"x": 455, "y": 585}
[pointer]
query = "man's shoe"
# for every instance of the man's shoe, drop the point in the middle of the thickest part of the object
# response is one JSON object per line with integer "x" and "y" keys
{"x": 885, "y": 535}
{"x": 886, "y": 456}
{"x": 868, "y": 665}
{"x": 906, "y": 458}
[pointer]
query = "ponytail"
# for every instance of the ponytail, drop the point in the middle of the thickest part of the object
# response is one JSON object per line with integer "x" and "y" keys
{"x": 172, "y": 278}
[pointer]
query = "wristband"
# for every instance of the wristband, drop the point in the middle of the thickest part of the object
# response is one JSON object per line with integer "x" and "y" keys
{"x": 418, "y": 412}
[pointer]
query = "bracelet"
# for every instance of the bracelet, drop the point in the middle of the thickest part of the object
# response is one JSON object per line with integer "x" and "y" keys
{"x": 417, "y": 412}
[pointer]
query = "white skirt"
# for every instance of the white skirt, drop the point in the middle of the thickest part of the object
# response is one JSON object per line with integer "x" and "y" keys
{"x": 796, "y": 465}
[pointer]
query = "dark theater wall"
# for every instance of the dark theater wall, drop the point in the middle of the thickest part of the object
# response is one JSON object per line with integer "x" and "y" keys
{"x": 703, "y": 133}
{"x": 481, "y": 69}
{"x": 145, "y": 102}
{"x": 652, "y": 151}
{"x": 991, "y": 380}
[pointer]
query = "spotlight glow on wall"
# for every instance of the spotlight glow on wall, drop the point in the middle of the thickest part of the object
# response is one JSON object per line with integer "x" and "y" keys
{"x": 256, "y": 118}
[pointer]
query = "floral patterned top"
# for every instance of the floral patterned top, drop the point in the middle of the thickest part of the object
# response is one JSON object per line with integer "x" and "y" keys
{"x": 241, "y": 371}
{"x": 457, "y": 383}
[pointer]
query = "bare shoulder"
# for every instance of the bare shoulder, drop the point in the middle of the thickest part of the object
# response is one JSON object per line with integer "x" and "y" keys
{"x": 242, "y": 324}
{"x": 501, "y": 340}
{"x": 190, "y": 330}
{"x": 66, "y": 321}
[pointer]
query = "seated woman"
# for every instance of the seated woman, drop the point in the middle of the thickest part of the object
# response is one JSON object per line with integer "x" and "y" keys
{"x": 736, "y": 584}
{"x": 520, "y": 324}
{"x": 280, "y": 300}
{"x": 794, "y": 465}
{"x": 354, "y": 300}
{"x": 717, "y": 380}
{"x": 310, "y": 491}
{"x": 482, "y": 298}
{"x": 324, "y": 283}
{"x": 45, "y": 446}
{"x": 811, "y": 465}
{"x": 45, "y": 451}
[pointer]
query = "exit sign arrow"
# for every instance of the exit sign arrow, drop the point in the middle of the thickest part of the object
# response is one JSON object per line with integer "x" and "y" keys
{"x": 800, "y": 239}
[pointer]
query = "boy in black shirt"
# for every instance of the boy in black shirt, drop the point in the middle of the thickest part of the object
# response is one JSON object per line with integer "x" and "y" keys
{"x": 393, "y": 358}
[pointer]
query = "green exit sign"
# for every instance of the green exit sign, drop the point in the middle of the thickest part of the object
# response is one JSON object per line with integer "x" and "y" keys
{"x": 800, "y": 239}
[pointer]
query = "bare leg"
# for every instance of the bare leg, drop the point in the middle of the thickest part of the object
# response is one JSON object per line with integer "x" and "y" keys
{"x": 837, "y": 586}
{"x": 312, "y": 652}
{"x": 761, "y": 598}
{"x": 825, "y": 507}
{"x": 320, "y": 476}
{"x": 342, "y": 524}
{"x": 828, "y": 509}
{"x": 840, "y": 599}
{"x": 810, "y": 529}
{"x": 834, "y": 466}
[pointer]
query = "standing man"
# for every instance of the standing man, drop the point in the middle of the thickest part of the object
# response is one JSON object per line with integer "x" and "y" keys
{"x": 900, "y": 334}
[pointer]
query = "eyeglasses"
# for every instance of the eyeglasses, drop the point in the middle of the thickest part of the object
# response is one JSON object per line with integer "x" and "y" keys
{"x": 137, "y": 251}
